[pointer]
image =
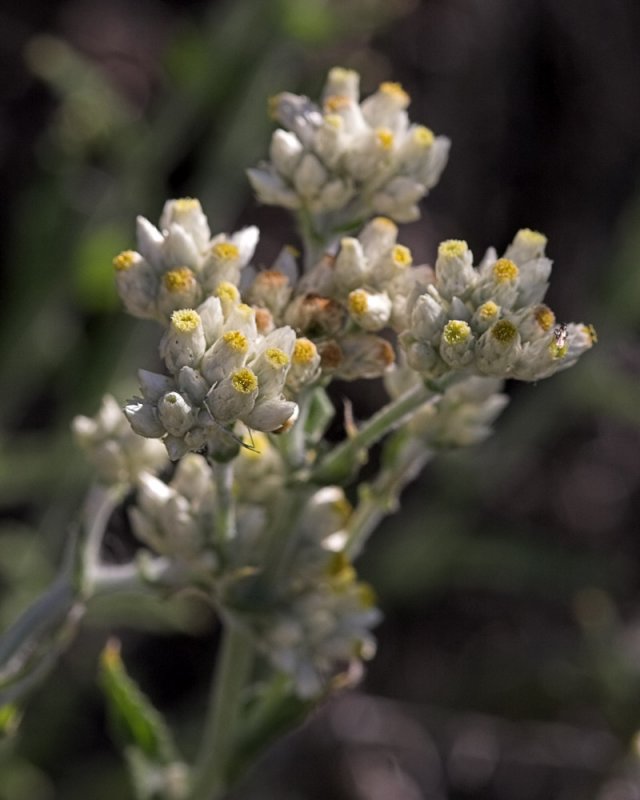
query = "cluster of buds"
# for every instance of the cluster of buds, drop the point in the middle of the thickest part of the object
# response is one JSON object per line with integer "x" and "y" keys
{"x": 319, "y": 629}
{"x": 179, "y": 265}
{"x": 345, "y": 300}
{"x": 347, "y": 160}
{"x": 491, "y": 320}
{"x": 118, "y": 455}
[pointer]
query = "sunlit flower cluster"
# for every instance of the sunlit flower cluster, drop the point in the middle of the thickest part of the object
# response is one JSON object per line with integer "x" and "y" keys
{"x": 491, "y": 320}
{"x": 346, "y": 159}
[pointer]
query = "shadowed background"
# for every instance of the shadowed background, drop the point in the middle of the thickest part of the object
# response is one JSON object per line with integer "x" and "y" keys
{"x": 509, "y": 658}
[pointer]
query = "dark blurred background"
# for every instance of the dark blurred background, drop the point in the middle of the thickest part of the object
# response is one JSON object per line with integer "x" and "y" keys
{"x": 509, "y": 658}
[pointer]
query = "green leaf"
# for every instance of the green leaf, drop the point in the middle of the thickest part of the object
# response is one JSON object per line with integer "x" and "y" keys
{"x": 137, "y": 724}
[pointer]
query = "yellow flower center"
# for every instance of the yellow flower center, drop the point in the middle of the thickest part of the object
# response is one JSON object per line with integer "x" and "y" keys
{"x": 304, "y": 351}
{"x": 488, "y": 310}
{"x": 534, "y": 238}
{"x": 244, "y": 381}
{"x": 225, "y": 251}
{"x": 385, "y": 138}
{"x": 452, "y": 248}
{"x": 124, "y": 260}
{"x": 236, "y": 340}
{"x": 456, "y": 331}
{"x": 185, "y": 320}
{"x": 401, "y": 256}
{"x": 358, "y": 302}
{"x": 395, "y": 91}
{"x": 504, "y": 331}
{"x": 178, "y": 280}
{"x": 227, "y": 291}
{"x": 277, "y": 357}
{"x": 423, "y": 136}
{"x": 184, "y": 204}
{"x": 504, "y": 270}
{"x": 545, "y": 317}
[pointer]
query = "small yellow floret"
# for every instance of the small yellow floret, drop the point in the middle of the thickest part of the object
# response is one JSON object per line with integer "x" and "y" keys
{"x": 591, "y": 333}
{"x": 452, "y": 248}
{"x": 227, "y": 291}
{"x": 178, "y": 280}
{"x": 185, "y": 204}
{"x": 384, "y": 222}
{"x": 532, "y": 238}
{"x": 304, "y": 351}
{"x": 333, "y": 121}
{"x": 225, "y": 251}
{"x": 456, "y": 331}
{"x": 124, "y": 260}
{"x": 545, "y": 317}
{"x": 395, "y": 91}
{"x": 236, "y": 340}
{"x": 488, "y": 310}
{"x": 358, "y": 302}
{"x": 244, "y": 381}
{"x": 335, "y": 102}
{"x": 185, "y": 320}
{"x": 423, "y": 136}
{"x": 366, "y": 595}
{"x": 277, "y": 357}
{"x": 401, "y": 256}
{"x": 504, "y": 331}
{"x": 385, "y": 138}
{"x": 504, "y": 270}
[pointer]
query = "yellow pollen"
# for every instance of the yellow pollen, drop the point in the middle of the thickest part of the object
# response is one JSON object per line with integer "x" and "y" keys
{"x": 236, "y": 340}
{"x": 225, "y": 251}
{"x": 335, "y": 102}
{"x": 185, "y": 320}
{"x": 504, "y": 270}
{"x": 178, "y": 280}
{"x": 384, "y": 222}
{"x": 227, "y": 291}
{"x": 452, "y": 248}
{"x": 185, "y": 204}
{"x": 488, "y": 310}
{"x": 277, "y": 357}
{"x": 504, "y": 331}
{"x": 385, "y": 138}
{"x": 304, "y": 351}
{"x": 532, "y": 237}
{"x": 244, "y": 381}
{"x": 456, "y": 331}
{"x": 396, "y": 91}
{"x": 401, "y": 256}
{"x": 333, "y": 121}
{"x": 125, "y": 260}
{"x": 358, "y": 302}
{"x": 423, "y": 136}
{"x": 545, "y": 317}
{"x": 591, "y": 333}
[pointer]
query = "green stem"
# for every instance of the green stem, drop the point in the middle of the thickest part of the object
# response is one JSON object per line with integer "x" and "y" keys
{"x": 223, "y": 716}
{"x": 225, "y": 514}
{"x": 380, "y": 498}
{"x": 341, "y": 461}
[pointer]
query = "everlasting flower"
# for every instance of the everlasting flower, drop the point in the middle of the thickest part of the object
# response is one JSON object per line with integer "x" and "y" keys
{"x": 345, "y": 160}
{"x": 178, "y": 265}
{"x": 491, "y": 320}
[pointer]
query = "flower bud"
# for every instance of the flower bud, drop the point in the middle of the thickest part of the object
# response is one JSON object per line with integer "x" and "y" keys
{"x": 498, "y": 349}
{"x": 184, "y": 343}
{"x": 187, "y": 212}
{"x": 370, "y": 310}
{"x": 457, "y": 344}
{"x": 234, "y": 396}
{"x": 285, "y": 152}
{"x": 228, "y": 353}
{"x": 137, "y": 284}
{"x": 455, "y": 275}
{"x": 175, "y": 413}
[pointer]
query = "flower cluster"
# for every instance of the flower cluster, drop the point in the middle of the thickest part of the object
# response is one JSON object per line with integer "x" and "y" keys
{"x": 179, "y": 265}
{"x": 117, "y": 453}
{"x": 347, "y": 160}
{"x": 491, "y": 320}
